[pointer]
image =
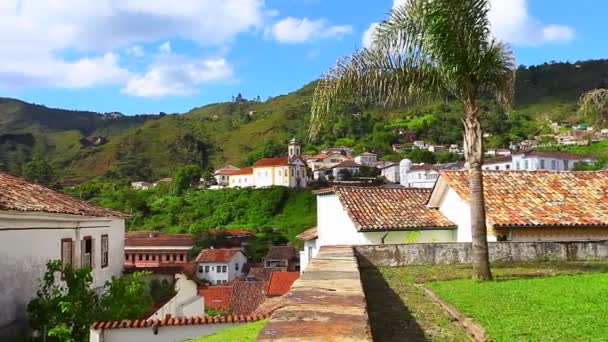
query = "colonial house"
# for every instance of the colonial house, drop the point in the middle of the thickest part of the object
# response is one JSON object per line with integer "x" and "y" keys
{"x": 38, "y": 224}
{"x": 221, "y": 265}
{"x": 325, "y": 161}
{"x": 366, "y": 158}
{"x": 284, "y": 257}
{"x": 310, "y": 250}
{"x": 423, "y": 175}
{"x": 222, "y": 174}
{"x": 529, "y": 206}
{"x": 141, "y": 185}
{"x": 537, "y": 160}
{"x": 348, "y": 167}
{"x": 366, "y": 215}
{"x": 157, "y": 251}
{"x": 498, "y": 152}
{"x": 241, "y": 178}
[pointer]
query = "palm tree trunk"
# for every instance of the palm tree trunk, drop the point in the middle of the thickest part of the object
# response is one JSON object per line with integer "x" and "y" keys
{"x": 473, "y": 149}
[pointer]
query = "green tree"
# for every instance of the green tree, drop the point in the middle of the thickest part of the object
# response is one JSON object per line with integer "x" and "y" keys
{"x": 185, "y": 178}
{"x": 429, "y": 49}
{"x": 594, "y": 104}
{"x": 125, "y": 297}
{"x": 38, "y": 170}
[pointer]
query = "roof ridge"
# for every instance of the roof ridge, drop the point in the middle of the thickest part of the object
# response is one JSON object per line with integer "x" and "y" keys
{"x": 177, "y": 321}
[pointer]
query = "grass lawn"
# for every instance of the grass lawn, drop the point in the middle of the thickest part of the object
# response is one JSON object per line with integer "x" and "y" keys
{"x": 564, "y": 308}
{"x": 243, "y": 333}
{"x": 399, "y": 311}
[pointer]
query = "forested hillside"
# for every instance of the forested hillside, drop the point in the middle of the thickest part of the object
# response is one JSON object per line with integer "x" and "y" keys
{"x": 78, "y": 146}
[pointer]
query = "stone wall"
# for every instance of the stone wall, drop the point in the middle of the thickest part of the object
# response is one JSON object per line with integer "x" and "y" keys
{"x": 460, "y": 253}
{"x": 326, "y": 303}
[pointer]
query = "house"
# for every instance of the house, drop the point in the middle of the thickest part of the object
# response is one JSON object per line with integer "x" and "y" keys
{"x": 537, "y": 160}
{"x": 156, "y": 251}
{"x": 280, "y": 283}
{"x": 529, "y": 206}
{"x": 498, "y": 152}
{"x": 419, "y": 144}
{"x": 366, "y": 158}
{"x": 287, "y": 171}
{"x": 233, "y": 238}
{"x": 38, "y": 224}
{"x": 185, "y": 303}
{"x": 141, "y": 185}
{"x": 373, "y": 215}
{"x": 423, "y": 175}
{"x": 241, "y": 178}
{"x": 345, "y": 170}
{"x": 310, "y": 250}
{"x": 221, "y": 175}
{"x": 285, "y": 257}
{"x": 325, "y": 161}
{"x": 216, "y": 297}
{"x": 390, "y": 171}
{"x": 221, "y": 265}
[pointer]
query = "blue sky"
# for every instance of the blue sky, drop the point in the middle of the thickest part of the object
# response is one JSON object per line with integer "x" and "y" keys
{"x": 147, "y": 56}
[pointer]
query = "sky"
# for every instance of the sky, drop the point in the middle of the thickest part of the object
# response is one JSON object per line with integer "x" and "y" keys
{"x": 148, "y": 56}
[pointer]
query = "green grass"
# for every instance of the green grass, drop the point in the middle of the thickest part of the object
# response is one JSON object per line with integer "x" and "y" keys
{"x": 565, "y": 308}
{"x": 243, "y": 333}
{"x": 399, "y": 311}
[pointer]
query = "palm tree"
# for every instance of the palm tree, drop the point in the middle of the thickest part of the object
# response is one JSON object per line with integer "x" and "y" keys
{"x": 594, "y": 104}
{"x": 425, "y": 50}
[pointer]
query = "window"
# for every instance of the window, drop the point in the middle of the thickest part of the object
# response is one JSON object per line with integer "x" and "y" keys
{"x": 566, "y": 165}
{"x": 525, "y": 164}
{"x": 87, "y": 252}
{"x": 200, "y": 269}
{"x": 309, "y": 253}
{"x": 206, "y": 269}
{"x": 140, "y": 257}
{"x": 66, "y": 252}
{"x": 104, "y": 250}
{"x": 279, "y": 173}
{"x": 508, "y": 167}
{"x": 553, "y": 165}
{"x": 517, "y": 165}
{"x": 236, "y": 266}
{"x": 298, "y": 173}
{"x": 181, "y": 257}
{"x": 497, "y": 167}
{"x": 542, "y": 164}
{"x": 224, "y": 269}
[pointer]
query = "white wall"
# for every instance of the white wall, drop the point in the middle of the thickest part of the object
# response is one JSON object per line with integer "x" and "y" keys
{"x": 334, "y": 227}
{"x": 304, "y": 254}
{"x": 174, "y": 333}
{"x": 29, "y": 240}
{"x": 391, "y": 173}
{"x": 213, "y": 276}
{"x": 186, "y": 303}
{"x": 241, "y": 181}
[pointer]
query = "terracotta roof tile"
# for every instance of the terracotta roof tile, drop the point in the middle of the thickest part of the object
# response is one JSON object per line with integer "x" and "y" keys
{"x": 309, "y": 234}
{"x": 143, "y": 239}
{"x": 135, "y": 323}
{"x": 389, "y": 208}
{"x": 277, "y": 161}
{"x": 347, "y": 163}
{"x": 247, "y": 296}
{"x": 280, "y": 283}
{"x": 19, "y": 195}
{"x": 540, "y": 198}
{"x": 217, "y": 255}
{"x": 263, "y": 273}
{"x": 217, "y": 297}
{"x": 282, "y": 252}
{"x": 244, "y": 171}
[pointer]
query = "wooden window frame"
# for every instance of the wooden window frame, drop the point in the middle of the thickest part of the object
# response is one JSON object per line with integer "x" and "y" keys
{"x": 71, "y": 251}
{"x": 106, "y": 252}
{"x": 82, "y": 251}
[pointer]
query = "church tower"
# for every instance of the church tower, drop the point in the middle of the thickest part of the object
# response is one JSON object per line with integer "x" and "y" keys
{"x": 293, "y": 150}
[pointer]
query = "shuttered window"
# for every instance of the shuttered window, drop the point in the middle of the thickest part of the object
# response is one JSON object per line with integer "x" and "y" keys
{"x": 66, "y": 251}
{"x": 104, "y": 251}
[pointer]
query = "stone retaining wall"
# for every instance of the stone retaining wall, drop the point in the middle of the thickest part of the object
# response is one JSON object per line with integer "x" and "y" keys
{"x": 326, "y": 303}
{"x": 460, "y": 253}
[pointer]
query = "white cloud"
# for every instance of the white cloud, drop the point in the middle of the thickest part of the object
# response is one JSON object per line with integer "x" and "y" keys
{"x": 135, "y": 50}
{"x": 35, "y": 33}
{"x": 295, "y": 30}
{"x": 173, "y": 74}
{"x": 165, "y": 47}
{"x": 512, "y": 22}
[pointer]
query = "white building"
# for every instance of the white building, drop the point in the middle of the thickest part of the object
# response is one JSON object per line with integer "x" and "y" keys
{"x": 241, "y": 178}
{"x": 222, "y": 174}
{"x": 221, "y": 265}
{"x": 325, "y": 161}
{"x": 423, "y": 175}
{"x": 287, "y": 171}
{"x": 37, "y": 225}
{"x": 346, "y": 167}
{"x": 310, "y": 250}
{"x": 141, "y": 185}
{"x": 537, "y": 160}
{"x": 529, "y": 206}
{"x": 185, "y": 303}
{"x": 391, "y": 172}
{"x": 366, "y": 158}
{"x": 369, "y": 215}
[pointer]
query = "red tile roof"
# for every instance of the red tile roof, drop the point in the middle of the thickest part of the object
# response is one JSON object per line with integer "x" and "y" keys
{"x": 277, "y": 161}
{"x": 347, "y": 163}
{"x": 557, "y": 154}
{"x": 389, "y": 208}
{"x": 244, "y": 171}
{"x": 263, "y": 273}
{"x": 232, "y": 232}
{"x": 282, "y": 252}
{"x": 308, "y": 234}
{"x": 143, "y": 239}
{"x": 280, "y": 283}
{"x": 217, "y": 297}
{"x": 539, "y": 198}
{"x": 247, "y": 296}
{"x": 217, "y": 255}
{"x": 20, "y": 195}
{"x": 177, "y": 321}
{"x": 227, "y": 172}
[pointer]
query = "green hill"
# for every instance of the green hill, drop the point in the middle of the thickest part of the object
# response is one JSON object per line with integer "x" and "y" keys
{"x": 151, "y": 146}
